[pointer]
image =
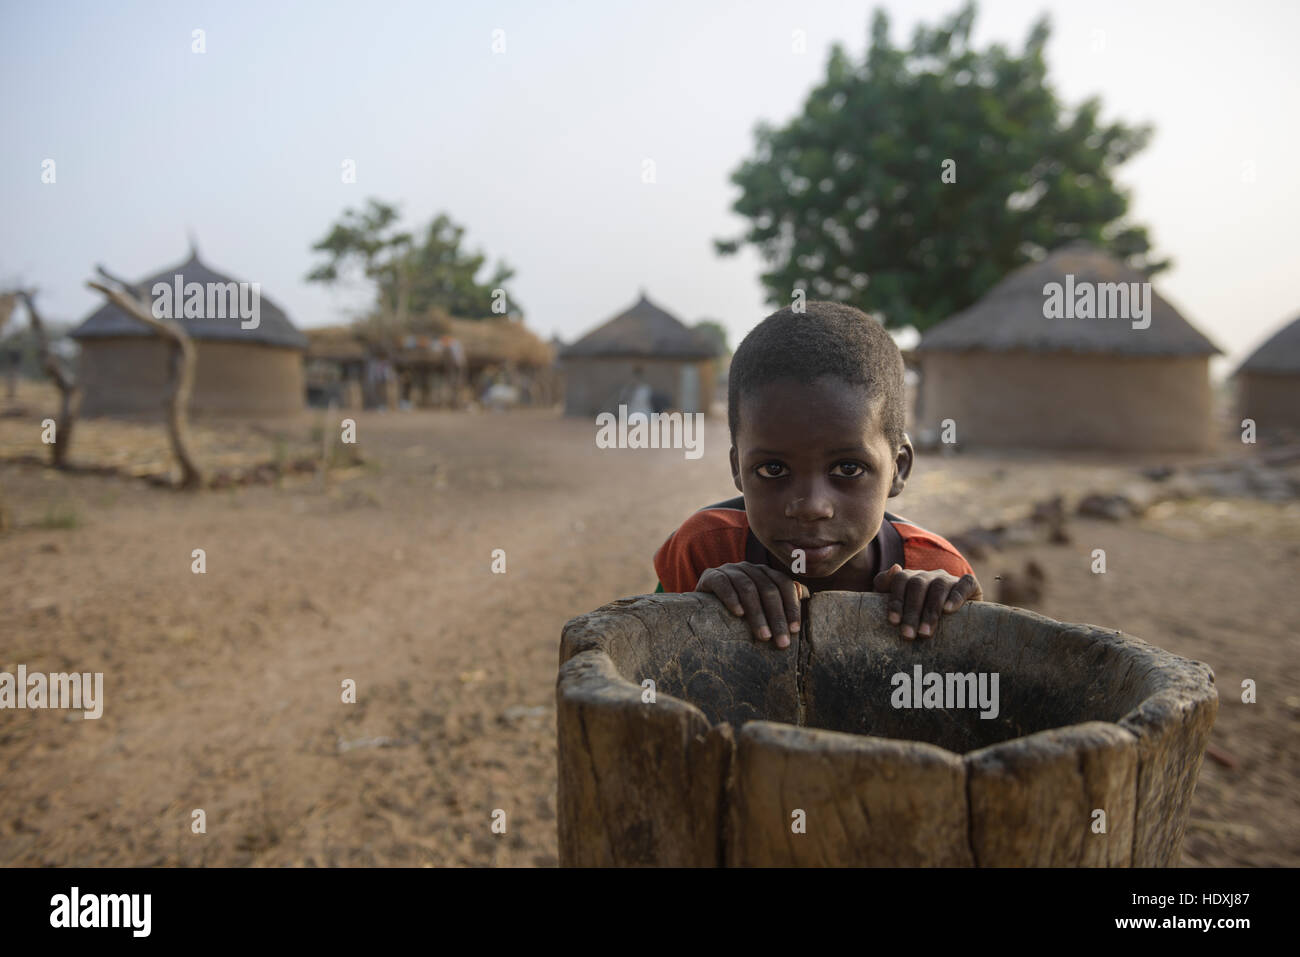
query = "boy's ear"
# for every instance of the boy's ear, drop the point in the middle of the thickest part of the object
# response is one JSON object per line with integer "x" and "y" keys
{"x": 735, "y": 469}
{"x": 902, "y": 466}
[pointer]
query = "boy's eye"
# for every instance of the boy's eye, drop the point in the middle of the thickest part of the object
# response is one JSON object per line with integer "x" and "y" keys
{"x": 774, "y": 466}
{"x": 854, "y": 469}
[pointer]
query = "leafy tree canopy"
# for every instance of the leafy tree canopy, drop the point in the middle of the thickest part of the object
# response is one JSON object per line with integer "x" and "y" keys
{"x": 413, "y": 275}
{"x": 853, "y": 200}
{"x": 715, "y": 331}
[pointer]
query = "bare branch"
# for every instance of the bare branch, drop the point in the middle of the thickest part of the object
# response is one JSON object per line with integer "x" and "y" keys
{"x": 133, "y": 306}
{"x": 55, "y": 369}
{"x": 49, "y": 361}
{"x": 136, "y": 306}
{"x": 134, "y": 289}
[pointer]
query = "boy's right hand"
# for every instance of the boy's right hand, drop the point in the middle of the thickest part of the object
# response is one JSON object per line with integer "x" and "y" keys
{"x": 766, "y": 597}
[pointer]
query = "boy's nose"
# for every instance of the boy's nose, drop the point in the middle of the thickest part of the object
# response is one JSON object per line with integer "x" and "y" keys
{"x": 809, "y": 508}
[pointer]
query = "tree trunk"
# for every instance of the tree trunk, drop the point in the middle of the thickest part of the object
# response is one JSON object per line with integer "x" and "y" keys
{"x": 54, "y": 368}
{"x": 182, "y": 377}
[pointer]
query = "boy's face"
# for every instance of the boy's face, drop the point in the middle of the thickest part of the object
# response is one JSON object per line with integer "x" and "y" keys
{"x": 816, "y": 469}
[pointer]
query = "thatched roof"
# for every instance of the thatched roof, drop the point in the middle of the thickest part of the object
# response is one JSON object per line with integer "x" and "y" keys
{"x": 336, "y": 342}
{"x": 273, "y": 328}
{"x": 1280, "y": 354}
{"x": 500, "y": 339}
{"x": 1010, "y": 316}
{"x": 644, "y": 331}
{"x": 485, "y": 341}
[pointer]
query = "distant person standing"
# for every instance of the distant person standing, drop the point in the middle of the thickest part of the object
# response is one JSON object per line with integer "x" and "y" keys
{"x": 454, "y": 366}
{"x": 637, "y": 395}
{"x": 13, "y": 359}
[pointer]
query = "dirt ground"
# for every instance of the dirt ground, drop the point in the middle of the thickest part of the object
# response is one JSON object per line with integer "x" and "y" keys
{"x": 222, "y": 690}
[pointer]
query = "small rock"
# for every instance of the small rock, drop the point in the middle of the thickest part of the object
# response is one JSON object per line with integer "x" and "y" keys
{"x": 1111, "y": 508}
{"x": 48, "y": 605}
{"x": 522, "y": 711}
{"x": 1022, "y": 588}
{"x": 381, "y": 742}
{"x": 1220, "y": 756}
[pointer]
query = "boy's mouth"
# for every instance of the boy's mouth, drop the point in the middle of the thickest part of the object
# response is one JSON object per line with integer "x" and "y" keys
{"x": 815, "y": 550}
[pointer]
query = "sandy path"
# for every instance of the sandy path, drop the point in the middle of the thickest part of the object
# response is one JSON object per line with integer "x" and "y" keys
{"x": 223, "y": 690}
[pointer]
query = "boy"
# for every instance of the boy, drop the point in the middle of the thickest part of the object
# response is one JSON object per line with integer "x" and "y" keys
{"x": 815, "y": 409}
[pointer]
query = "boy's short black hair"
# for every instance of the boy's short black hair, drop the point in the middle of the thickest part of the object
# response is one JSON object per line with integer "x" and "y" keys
{"x": 827, "y": 339}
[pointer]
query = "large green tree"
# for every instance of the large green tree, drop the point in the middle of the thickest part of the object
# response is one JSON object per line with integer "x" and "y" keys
{"x": 412, "y": 274}
{"x": 852, "y": 200}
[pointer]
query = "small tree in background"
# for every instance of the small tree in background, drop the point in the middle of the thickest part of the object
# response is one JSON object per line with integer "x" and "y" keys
{"x": 715, "y": 331}
{"x": 915, "y": 180}
{"x": 411, "y": 276}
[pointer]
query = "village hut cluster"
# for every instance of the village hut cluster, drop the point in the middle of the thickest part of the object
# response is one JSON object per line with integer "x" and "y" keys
{"x": 265, "y": 366}
{"x": 1016, "y": 369}
{"x": 452, "y": 363}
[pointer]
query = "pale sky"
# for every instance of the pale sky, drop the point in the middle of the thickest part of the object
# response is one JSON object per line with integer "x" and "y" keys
{"x": 538, "y": 151}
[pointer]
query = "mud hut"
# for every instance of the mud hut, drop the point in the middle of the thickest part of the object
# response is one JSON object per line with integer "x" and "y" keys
{"x": 448, "y": 359}
{"x": 240, "y": 368}
{"x": 644, "y": 347}
{"x": 336, "y": 367}
{"x": 1268, "y": 382}
{"x": 435, "y": 360}
{"x": 1075, "y": 351}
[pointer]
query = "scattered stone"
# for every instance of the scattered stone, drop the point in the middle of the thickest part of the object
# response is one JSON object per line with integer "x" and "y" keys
{"x": 1159, "y": 473}
{"x": 49, "y": 606}
{"x": 1111, "y": 508}
{"x": 1024, "y": 588}
{"x": 519, "y": 711}
{"x": 380, "y": 742}
{"x": 1220, "y": 756}
{"x": 1046, "y": 522}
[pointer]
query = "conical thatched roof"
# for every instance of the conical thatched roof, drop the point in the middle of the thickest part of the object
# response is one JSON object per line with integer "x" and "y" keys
{"x": 1010, "y": 315}
{"x": 273, "y": 328}
{"x": 644, "y": 331}
{"x": 1280, "y": 354}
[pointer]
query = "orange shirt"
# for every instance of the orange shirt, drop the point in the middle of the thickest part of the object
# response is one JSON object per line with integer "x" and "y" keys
{"x": 719, "y": 534}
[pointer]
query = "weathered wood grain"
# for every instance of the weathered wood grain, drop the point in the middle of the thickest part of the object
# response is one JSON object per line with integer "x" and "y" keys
{"x": 866, "y": 802}
{"x": 1032, "y": 799}
{"x": 639, "y": 783}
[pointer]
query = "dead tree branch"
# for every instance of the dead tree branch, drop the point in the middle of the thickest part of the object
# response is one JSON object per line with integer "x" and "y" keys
{"x": 63, "y": 379}
{"x": 135, "y": 304}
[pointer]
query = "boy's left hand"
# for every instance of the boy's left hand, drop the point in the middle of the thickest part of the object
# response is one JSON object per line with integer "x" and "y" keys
{"x": 918, "y": 596}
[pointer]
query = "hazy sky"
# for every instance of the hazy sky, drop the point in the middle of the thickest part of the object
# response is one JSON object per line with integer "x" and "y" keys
{"x": 538, "y": 151}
